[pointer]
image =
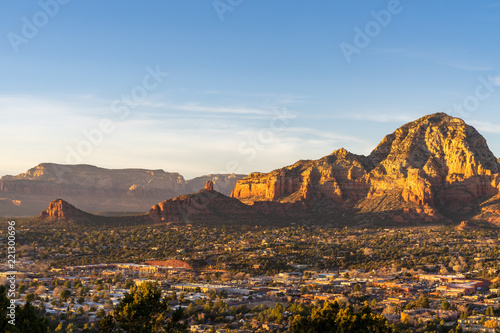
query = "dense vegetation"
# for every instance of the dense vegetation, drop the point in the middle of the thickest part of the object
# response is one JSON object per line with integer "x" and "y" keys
{"x": 261, "y": 250}
{"x": 26, "y": 318}
{"x": 239, "y": 253}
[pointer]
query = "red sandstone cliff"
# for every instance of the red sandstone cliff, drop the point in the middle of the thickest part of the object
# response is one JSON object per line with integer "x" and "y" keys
{"x": 434, "y": 166}
{"x": 338, "y": 177}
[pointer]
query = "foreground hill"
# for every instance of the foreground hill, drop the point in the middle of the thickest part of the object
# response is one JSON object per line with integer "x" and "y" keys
{"x": 208, "y": 206}
{"x": 431, "y": 169}
{"x": 98, "y": 189}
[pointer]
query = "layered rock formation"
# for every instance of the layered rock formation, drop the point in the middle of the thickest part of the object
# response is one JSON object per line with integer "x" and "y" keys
{"x": 430, "y": 170}
{"x": 338, "y": 177}
{"x": 60, "y": 209}
{"x": 436, "y": 161}
{"x": 433, "y": 167}
{"x": 98, "y": 189}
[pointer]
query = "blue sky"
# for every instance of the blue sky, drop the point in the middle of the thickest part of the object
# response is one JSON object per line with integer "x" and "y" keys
{"x": 252, "y": 85}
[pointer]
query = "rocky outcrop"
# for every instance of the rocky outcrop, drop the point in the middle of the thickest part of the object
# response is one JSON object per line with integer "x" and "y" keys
{"x": 433, "y": 167}
{"x": 466, "y": 225}
{"x": 417, "y": 188}
{"x": 338, "y": 177}
{"x": 206, "y": 206}
{"x": 423, "y": 213}
{"x": 209, "y": 186}
{"x": 60, "y": 209}
{"x": 60, "y": 212}
{"x": 223, "y": 183}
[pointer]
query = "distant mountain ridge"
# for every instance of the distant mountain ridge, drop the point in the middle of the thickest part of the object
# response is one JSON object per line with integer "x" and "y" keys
{"x": 98, "y": 189}
{"x": 436, "y": 169}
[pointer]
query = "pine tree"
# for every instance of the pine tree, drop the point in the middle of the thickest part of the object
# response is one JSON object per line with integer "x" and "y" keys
{"x": 143, "y": 310}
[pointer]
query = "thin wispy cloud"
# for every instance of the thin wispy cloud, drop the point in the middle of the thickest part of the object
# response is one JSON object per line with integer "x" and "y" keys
{"x": 211, "y": 109}
{"x": 312, "y": 132}
{"x": 379, "y": 117}
{"x": 285, "y": 97}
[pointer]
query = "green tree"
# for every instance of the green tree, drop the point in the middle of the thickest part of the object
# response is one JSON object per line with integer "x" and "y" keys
{"x": 27, "y": 320}
{"x": 445, "y": 305}
{"x": 65, "y": 294}
{"x": 423, "y": 302}
{"x": 29, "y": 298}
{"x": 331, "y": 317}
{"x": 100, "y": 313}
{"x": 191, "y": 310}
{"x": 489, "y": 311}
{"x": 142, "y": 310}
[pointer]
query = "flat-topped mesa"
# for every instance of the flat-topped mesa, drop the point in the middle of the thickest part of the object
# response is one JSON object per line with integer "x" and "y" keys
{"x": 99, "y": 189}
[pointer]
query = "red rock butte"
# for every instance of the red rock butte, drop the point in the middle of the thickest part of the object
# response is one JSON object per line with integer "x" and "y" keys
{"x": 434, "y": 166}
{"x": 60, "y": 209}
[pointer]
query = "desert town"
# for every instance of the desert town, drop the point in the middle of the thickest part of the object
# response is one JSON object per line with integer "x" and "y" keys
{"x": 216, "y": 296}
